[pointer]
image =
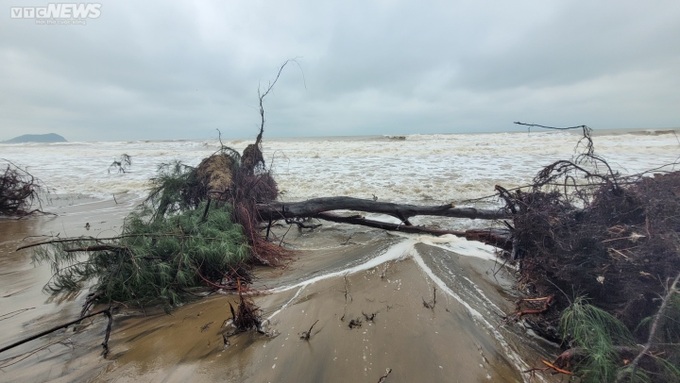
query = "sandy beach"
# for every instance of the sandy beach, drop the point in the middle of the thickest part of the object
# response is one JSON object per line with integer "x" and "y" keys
{"x": 366, "y": 294}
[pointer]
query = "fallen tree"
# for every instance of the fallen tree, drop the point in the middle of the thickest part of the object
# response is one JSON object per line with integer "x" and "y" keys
{"x": 202, "y": 227}
{"x": 178, "y": 240}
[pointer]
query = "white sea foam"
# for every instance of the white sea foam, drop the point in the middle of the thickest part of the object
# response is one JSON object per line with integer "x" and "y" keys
{"x": 476, "y": 315}
{"x": 395, "y": 252}
{"x": 421, "y": 168}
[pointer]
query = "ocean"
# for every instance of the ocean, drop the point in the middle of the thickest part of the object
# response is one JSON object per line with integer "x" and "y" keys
{"x": 387, "y": 274}
{"x": 414, "y": 168}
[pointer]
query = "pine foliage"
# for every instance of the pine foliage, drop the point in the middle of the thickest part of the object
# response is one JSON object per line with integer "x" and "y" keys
{"x": 154, "y": 260}
{"x": 609, "y": 346}
{"x": 597, "y": 331}
{"x": 176, "y": 240}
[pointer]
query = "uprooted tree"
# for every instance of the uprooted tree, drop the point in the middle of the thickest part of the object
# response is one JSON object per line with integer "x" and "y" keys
{"x": 201, "y": 227}
{"x": 197, "y": 229}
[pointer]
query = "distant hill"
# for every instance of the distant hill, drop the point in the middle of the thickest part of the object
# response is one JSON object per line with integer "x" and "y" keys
{"x": 50, "y": 137}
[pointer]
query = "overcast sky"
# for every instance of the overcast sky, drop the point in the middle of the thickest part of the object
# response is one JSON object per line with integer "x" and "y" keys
{"x": 182, "y": 69}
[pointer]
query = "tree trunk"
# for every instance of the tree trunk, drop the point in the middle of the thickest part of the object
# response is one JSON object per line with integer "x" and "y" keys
{"x": 312, "y": 207}
{"x": 319, "y": 208}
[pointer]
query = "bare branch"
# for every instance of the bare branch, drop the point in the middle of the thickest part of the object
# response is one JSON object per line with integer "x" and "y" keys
{"x": 261, "y": 97}
{"x": 550, "y": 127}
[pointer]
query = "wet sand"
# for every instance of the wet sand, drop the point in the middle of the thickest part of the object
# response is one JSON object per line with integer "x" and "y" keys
{"x": 326, "y": 282}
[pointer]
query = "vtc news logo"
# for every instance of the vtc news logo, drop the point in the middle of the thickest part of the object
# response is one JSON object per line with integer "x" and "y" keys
{"x": 58, "y": 13}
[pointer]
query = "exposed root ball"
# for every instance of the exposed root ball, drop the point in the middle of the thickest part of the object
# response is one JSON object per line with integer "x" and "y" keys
{"x": 215, "y": 174}
{"x": 617, "y": 250}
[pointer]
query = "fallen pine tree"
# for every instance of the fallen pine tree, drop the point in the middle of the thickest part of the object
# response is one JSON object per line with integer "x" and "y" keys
{"x": 201, "y": 228}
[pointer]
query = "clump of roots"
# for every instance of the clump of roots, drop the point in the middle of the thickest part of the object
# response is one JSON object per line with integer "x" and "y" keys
{"x": 18, "y": 190}
{"x": 226, "y": 177}
{"x": 583, "y": 230}
{"x": 247, "y": 316}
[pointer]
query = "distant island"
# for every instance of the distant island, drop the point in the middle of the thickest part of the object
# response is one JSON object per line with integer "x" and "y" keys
{"x": 50, "y": 137}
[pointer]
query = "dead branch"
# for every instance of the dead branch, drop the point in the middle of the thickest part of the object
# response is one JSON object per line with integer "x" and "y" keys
{"x": 320, "y": 208}
{"x": 538, "y": 306}
{"x": 491, "y": 236}
{"x": 121, "y": 163}
{"x": 550, "y": 127}
{"x": 430, "y": 305}
{"x": 261, "y": 97}
{"x": 105, "y": 344}
{"x": 97, "y": 240}
{"x": 359, "y": 220}
{"x": 382, "y": 379}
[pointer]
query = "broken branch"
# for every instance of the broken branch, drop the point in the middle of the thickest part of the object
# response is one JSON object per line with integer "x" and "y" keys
{"x": 106, "y": 312}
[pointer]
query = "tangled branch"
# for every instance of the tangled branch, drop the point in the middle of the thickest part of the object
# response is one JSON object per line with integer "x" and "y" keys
{"x": 18, "y": 190}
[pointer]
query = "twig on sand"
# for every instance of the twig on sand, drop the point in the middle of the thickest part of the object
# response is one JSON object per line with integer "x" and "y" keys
{"x": 430, "y": 305}
{"x": 387, "y": 372}
{"x": 305, "y": 335}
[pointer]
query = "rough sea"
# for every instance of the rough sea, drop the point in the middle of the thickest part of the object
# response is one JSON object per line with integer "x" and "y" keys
{"x": 413, "y": 168}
